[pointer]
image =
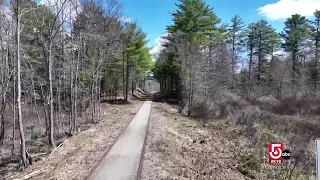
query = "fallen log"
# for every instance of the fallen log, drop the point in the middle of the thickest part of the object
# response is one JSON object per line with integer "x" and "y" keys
{"x": 35, "y": 173}
{"x": 38, "y": 154}
{"x": 57, "y": 147}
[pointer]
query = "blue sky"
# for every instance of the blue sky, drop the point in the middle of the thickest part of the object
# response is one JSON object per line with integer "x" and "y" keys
{"x": 153, "y": 15}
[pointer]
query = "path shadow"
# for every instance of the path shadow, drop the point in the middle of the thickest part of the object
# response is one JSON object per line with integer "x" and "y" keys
{"x": 156, "y": 97}
{"x": 115, "y": 101}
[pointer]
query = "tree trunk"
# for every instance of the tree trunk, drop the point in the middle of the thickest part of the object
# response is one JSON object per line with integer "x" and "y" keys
{"x": 2, "y": 125}
{"x": 99, "y": 96}
{"x": 5, "y": 80}
{"x": 294, "y": 74}
{"x": 14, "y": 108}
{"x": 50, "y": 98}
{"x": 96, "y": 96}
{"x": 250, "y": 71}
{"x": 59, "y": 102}
{"x": 93, "y": 99}
{"x": 76, "y": 94}
{"x": 22, "y": 138}
{"x": 127, "y": 81}
{"x": 190, "y": 84}
{"x": 35, "y": 100}
{"x": 123, "y": 72}
{"x": 117, "y": 84}
{"x": 45, "y": 109}
{"x": 71, "y": 129}
{"x": 132, "y": 85}
{"x": 233, "y": 61}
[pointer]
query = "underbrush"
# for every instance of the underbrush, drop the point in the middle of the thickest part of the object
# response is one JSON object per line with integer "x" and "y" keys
{"x": 297, "y": 135}
{"x": 180, "y": 148}
{"x": 248, "y": 127}
{"x": 35, "y": 134}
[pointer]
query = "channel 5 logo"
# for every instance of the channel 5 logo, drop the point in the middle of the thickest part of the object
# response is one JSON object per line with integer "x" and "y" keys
{"x": 277, "y": 153}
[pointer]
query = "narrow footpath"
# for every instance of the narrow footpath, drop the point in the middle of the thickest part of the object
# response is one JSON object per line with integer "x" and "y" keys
{"x": 123, "y": 159}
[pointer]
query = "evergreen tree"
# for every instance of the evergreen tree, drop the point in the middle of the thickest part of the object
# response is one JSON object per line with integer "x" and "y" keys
{"x": 264, "y": 39}
{"x": 314, "y": 66}
{"x": 250, "y": 44}
{"x": 316, "y": 34}
{"x": 194, "y": 19}
{"x": 195, "y": 28}
{"x": 295, "y": 35}
{"x": 235, "y": 39}
{"x": 137, "y": 55}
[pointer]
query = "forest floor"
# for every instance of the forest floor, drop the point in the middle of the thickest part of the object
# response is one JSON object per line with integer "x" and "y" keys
{"x": 79, "y": 154}
{"x": 181, "y": 148}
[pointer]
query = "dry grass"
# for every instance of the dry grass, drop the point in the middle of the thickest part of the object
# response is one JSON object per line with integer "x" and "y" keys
{"x": 253, "y": 129}
{"x": 247, "y": 128}
{"x": 80, "y": 153}
{"x": 180, "y": 148}
{"x": 230, "y": 141}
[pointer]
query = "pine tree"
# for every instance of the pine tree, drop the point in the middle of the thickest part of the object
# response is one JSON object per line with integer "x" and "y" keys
{"x": 137, "y": 56}
{"x": 316, "y": 34}
{"x": 295, "y": 35}
{"x": 236, "y": 37}
{"x": 250, "y": 44}
{"x": 314, "y": 69}
{"x": 194, "y": 19}
{"x": 195, "y": 28}
{"x": 264, "y": 39}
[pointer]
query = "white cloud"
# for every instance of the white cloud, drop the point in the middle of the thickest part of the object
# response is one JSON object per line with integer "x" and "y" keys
{"x": 285, "y": 8}
{"x": 159, "y": 41}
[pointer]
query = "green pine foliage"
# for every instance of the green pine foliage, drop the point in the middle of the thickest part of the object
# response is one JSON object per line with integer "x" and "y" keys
{"x": 195, "y": 20}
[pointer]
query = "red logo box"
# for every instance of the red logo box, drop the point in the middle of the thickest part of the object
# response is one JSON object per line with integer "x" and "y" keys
{"x": 275, "y": 153}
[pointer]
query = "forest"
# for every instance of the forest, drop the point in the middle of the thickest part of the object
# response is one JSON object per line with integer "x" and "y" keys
{"x": 203, "y": 56}
{"x": 58, "y": 61}
{"x": 61, "y": 59}
{"x": 248, "y": 83}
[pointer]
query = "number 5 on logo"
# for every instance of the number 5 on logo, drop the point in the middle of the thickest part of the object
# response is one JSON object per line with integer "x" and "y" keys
{"x": 275, "y": 153}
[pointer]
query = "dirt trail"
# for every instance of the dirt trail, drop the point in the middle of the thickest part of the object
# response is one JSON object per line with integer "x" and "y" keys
{"x": 123, "y": 159}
